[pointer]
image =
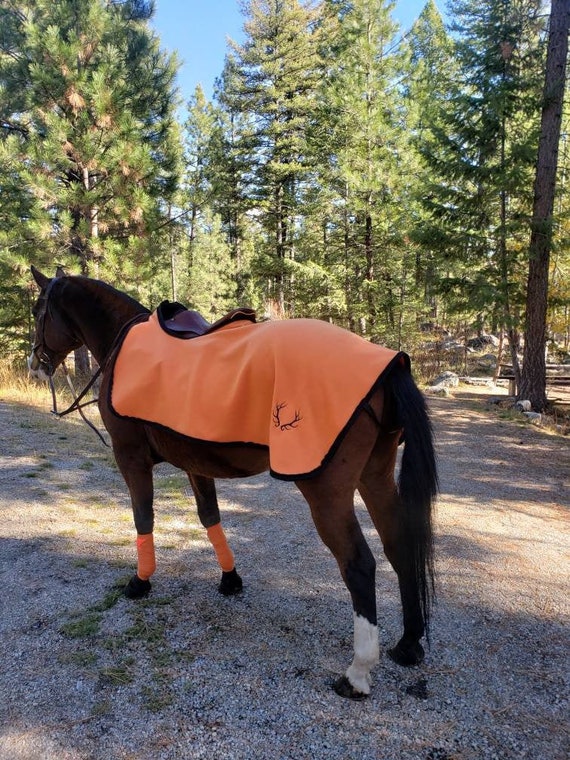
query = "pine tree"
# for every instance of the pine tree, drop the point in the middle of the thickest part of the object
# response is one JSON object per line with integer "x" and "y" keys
{"x": 276, "y": 71}
{"x": 199, "y": 129}
{"x": 481, "y": 153}
{"x": 210, "y": 282}
{"x": 429, "y": 69}
{"x": 90, "y": 96}
{"x": 231, "y": 152}
{"x": 215, "y": 246}
{"x": 360, "y": 111}
{"x": 533, "y": 381}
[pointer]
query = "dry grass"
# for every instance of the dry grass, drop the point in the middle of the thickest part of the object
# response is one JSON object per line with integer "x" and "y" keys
{"x": 16, "y": 386}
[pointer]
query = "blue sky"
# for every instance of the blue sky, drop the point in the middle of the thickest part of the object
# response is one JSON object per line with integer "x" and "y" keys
{"x": 198, "y": 30}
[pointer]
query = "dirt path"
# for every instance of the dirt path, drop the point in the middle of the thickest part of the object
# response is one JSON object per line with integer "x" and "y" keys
{"x": 87, "y": 675}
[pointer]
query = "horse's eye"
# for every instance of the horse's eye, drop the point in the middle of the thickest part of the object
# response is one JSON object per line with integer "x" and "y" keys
{"x": 37, "y": 307}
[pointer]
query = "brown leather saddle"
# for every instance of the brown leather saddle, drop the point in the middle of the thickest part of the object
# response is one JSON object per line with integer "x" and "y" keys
{"x": 184, "y": 323}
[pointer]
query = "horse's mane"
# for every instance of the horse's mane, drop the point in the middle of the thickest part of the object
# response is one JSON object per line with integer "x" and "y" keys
{"x": 101, "y": 291}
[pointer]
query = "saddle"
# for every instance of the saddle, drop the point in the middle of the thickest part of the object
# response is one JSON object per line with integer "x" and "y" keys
{"x": 180, "y": 322}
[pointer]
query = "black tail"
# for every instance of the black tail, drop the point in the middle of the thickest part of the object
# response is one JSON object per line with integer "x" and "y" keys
{"x": 418, "y": 482}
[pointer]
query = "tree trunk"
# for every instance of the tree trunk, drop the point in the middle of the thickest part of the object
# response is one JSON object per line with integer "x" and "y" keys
{"x": 348, "y": 266}
{"x": 279, "y": 247}
{"x": 533, "y": 377}
{"x": 370, "y": 274}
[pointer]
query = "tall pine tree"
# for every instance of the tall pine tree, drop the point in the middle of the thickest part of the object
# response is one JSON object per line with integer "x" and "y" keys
{"x": 275, "y": 74}
{"x": 88, "y": 109}
{"x": 361, "y": 111}
{"x": 533, "y": 381}
{"x": 429, "y": 68}
{"x": 481, "y": 154}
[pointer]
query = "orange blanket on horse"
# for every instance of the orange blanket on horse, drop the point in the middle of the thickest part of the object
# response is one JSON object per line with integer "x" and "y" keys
{"x": 294, "y": 386}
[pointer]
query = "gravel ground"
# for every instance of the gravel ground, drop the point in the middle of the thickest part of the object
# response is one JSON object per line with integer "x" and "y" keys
{"x": 89, "y": 675}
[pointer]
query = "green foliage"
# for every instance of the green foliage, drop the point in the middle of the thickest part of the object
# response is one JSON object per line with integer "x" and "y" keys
{"x": 210, "y": 282}
{"x": 273, "y": 77}
{"x": 364, "y": 164}
{"x": 343, "y": 171}
{"x": 87, "y": 131}
{"x": 480, "y": 149}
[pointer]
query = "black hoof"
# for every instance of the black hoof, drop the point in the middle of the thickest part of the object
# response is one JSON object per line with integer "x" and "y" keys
{"x": 137, "y": 588}
{"x": 230, "y": 584}
{"x": 407, "y": 655}
{"x": 345, "y": 689}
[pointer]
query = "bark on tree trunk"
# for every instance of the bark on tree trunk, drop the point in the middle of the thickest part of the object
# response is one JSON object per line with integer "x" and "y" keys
{"x": 370, "y": 274}
{"x": 279, "y": 247}
{"x": 82, "y": 363}
{"x": 533, "y": 377}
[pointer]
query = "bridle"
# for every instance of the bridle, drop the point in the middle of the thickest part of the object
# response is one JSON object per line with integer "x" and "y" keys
{"x": 42, "y": 356}
{"x": 40, "y": 349}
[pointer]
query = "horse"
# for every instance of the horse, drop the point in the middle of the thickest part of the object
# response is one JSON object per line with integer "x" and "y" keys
{"x": 72, "y": 311}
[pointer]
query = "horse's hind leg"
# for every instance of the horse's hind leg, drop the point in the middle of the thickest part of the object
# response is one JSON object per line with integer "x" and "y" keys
{"x": 380, "y": 494}
{"x": 333, "y": 514}
{"x": 209, "y": 514}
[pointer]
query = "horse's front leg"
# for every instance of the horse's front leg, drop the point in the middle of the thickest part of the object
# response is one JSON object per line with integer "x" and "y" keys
{"x": 138, "y": 478}
{"x": 209, "y": 514}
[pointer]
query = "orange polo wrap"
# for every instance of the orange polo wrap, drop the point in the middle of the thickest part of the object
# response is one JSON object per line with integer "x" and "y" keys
{"x": 223, "y": 552}
{"x": 146, "y": 557}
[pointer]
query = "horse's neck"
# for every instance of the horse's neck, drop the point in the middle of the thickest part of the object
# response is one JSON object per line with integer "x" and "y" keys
{"x": 100, "y": 314}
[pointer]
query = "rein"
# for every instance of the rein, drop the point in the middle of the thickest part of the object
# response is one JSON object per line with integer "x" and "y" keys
{"x": 76, "y": 406}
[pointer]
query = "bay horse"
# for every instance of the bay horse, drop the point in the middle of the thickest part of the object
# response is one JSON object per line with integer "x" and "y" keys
{"x": 72, "y": 311}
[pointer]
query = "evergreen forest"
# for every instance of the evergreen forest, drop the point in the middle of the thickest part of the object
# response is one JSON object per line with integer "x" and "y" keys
{"x": 346, "y": 169}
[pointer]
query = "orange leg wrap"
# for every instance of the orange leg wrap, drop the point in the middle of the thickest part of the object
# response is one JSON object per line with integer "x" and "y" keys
{"x": 146, "y": 558}
{"x": 223, "y": 552}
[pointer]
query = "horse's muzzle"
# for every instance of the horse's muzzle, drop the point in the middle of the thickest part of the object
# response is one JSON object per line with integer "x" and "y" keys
{"x": 36, "y": 368}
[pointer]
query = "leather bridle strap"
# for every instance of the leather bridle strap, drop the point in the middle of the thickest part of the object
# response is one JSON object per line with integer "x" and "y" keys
{"x": 76, "y": 405}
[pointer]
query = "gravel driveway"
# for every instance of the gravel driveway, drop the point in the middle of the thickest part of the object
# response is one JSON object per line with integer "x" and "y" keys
{"x": 87, "y": 675}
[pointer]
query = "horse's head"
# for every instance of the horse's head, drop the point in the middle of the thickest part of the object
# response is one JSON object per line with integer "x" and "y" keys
{"x": 53, "y": 339}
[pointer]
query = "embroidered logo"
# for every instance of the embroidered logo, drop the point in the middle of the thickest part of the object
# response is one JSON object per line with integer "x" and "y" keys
{"x": 279, "y": 423}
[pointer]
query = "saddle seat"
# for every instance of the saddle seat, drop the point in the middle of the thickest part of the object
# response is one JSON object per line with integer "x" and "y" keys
{"x": 184, "y": 323}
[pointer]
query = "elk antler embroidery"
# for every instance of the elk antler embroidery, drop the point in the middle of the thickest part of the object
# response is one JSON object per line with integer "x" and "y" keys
{"x": 285, "y": 425}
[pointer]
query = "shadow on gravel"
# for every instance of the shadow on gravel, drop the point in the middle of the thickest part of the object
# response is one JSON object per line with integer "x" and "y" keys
{"x": 203, "y": 671}
{"x": 87, "y": 675}
{"x": 483, "y": 457}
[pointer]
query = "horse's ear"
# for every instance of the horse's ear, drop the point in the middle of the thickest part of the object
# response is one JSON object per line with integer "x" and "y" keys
{"x": 60, "y": 272}
{"x": 40, "y": 278}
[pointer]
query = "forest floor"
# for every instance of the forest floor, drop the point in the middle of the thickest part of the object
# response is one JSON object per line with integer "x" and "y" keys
{"x": 88, "y": 675}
